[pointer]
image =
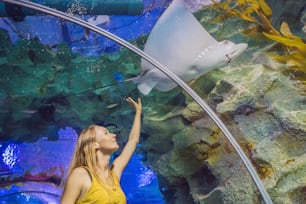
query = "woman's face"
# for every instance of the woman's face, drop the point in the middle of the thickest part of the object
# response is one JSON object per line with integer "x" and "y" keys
{"x": 107, "y": 141}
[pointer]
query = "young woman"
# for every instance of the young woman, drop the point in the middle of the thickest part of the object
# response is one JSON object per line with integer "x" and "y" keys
{"x": 91, "y": 178}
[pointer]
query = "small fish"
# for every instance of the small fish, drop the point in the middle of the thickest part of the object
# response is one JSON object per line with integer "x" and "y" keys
{"x": 96, "y": 20}
{"x": 118, "y": 76}
{"x": 28, "y": 111}
{"x": 113, "y": 105}
{"x": 99, "y": 19}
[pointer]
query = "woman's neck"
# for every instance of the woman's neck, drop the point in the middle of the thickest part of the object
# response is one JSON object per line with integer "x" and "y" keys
{"x": 103, "y": 161}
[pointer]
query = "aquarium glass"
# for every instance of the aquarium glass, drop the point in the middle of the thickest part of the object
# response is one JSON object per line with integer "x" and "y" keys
{"x": 244, "y": 60}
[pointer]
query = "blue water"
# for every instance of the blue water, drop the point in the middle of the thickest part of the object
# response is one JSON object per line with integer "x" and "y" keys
{"x": 53, "y": 31}
{"x": 21, "y": 198}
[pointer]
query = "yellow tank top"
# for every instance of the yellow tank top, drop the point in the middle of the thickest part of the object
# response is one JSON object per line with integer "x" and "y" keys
{"x": 100, "y": 193}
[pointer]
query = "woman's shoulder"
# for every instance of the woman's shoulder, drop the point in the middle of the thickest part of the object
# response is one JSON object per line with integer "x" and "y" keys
{"x": 80, "y": 172}
{"x": 78, "y": 178}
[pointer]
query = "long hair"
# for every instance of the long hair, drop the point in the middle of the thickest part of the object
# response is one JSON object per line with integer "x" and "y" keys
{"x": 85, "y": 153}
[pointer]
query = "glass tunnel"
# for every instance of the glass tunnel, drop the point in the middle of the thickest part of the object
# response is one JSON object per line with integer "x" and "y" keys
{"x": 222, "y": 85}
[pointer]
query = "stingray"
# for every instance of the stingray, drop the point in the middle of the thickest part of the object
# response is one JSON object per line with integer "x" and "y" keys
{"x": 181, "y": 44}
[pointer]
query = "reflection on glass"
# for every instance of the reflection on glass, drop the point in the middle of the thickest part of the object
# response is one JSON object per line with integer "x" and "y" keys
{"x": 10, "y": 155}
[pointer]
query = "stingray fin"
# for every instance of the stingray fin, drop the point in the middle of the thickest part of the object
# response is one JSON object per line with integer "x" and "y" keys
{"x": 165, "y": 85}
{"x": 146, "y": 86}
{"x": 175, "y": 31}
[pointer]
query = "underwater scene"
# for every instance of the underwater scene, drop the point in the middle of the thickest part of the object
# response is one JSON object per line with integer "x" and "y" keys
{"x": 222, "y": 84}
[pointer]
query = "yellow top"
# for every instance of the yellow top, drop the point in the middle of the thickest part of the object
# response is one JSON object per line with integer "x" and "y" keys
{"x": 100, "y": 193}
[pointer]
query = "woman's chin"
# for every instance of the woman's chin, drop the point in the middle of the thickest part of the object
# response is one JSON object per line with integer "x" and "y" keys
{"x": 116, "y": 148}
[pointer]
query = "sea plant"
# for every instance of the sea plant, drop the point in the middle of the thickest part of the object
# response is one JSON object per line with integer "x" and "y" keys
{"x": 259, "y": 13}
{"x": 295, "y": 56}
{"x": 254, "y": 11}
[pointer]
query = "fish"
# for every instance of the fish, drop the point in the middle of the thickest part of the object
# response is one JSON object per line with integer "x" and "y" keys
{"x": 29, "y": 111}
{"x": 181, "y": 44}
{"x": 113, "y": 105}
{"x": 99, "y": 19}
{"x": 96, "y": 20}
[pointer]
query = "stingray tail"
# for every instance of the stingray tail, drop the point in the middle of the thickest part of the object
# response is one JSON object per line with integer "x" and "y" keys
{"x": 144, "y": 85}
{"x": 133, "y": 79}
{"x": 144, "y": 82}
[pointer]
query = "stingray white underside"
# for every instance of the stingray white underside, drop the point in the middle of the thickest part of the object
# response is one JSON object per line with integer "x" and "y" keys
{"x": 181, "y": 44}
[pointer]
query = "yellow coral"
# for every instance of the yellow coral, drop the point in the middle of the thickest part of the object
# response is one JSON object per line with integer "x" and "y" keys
{"x": 264, "y": 171}
{"x": 255, "y": 11}
{"x": 259, "y": 13}
{"x": 295, "y": 58}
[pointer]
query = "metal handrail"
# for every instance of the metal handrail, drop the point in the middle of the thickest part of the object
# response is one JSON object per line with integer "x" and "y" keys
{"x": 166, "y": 71}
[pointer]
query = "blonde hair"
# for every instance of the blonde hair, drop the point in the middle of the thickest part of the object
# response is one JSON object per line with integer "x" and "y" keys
{"x": 85, "y": 153}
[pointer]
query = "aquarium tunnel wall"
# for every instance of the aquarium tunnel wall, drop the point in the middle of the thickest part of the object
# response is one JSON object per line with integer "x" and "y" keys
{"x": 223, "y": 99}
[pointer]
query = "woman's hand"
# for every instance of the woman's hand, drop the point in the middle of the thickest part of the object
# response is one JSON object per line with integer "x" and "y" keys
{"x": 134, "y": 104}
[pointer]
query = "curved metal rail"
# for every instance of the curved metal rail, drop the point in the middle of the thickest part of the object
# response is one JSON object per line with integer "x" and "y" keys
{"x": 171, "y": 75}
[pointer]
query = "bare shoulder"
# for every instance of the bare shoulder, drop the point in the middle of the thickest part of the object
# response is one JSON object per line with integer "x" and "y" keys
{"x": 80, "y": 176}
{"x": 77, "y": 183}
{"x": 79, "y": 172}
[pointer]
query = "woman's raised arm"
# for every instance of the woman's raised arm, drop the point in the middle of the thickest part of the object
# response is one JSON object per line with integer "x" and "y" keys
{"x": 122, "y": 160}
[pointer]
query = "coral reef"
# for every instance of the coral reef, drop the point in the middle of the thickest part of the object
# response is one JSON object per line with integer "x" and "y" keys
{"x": 269, "y": 125}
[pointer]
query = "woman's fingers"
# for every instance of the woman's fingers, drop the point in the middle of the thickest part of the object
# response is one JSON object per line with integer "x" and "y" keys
{"x": 136, "y": 105}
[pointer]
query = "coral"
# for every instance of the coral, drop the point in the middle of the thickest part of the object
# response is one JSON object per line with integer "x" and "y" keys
{"x": 259, "y": 13}
{"x": 6, "y": 45}
{"x": 63, "y": 54}
{"x": 292, "y": 115}
{"x": 240, "y": 98}
{"x": 295, "y": 52}
{"x": 254, "y": 11}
